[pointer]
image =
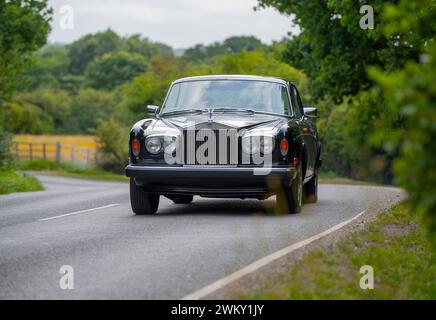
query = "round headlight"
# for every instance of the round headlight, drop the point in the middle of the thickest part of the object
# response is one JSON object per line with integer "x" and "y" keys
{"x": 154, "y": 145}
{"x": 268, "y": 144}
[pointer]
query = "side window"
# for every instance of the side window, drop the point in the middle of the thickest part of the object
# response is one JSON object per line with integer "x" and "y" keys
{"x": 300, "y": 103}
{"x": 297, "y": 107}
{"x": 285, "y": 100}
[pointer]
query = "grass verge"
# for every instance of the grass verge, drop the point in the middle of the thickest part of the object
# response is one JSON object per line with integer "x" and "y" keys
{"x": 395, "y": 246}
{"x": 331, "y": 178}
{"x": 69, "y": 170}
{"x": 11, "y": 181}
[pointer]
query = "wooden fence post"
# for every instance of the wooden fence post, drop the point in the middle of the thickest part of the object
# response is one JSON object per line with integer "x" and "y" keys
{"x": 30, "y": 151}
{"x": 44, "y": 153}
{"x": 58, "y": 153}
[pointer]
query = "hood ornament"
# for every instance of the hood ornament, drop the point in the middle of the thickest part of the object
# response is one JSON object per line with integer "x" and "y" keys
{"x": 210, "y": 112}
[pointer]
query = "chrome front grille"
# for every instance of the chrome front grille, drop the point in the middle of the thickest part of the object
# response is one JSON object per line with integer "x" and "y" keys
{"x": 210, "y": 147}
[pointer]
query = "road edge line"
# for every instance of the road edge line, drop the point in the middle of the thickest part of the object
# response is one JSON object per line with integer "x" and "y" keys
{"x": 79, "y": 212}
{"x": 201, "y": 293}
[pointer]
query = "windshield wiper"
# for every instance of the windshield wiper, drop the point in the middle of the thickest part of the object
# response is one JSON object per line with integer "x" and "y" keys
{"x": 234, "y": 110}
{"x": 171, "y": 113}
{"x": 251, "y": 111}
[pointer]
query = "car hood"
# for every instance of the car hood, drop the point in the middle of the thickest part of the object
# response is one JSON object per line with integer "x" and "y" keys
{"x": 231, "y": 120}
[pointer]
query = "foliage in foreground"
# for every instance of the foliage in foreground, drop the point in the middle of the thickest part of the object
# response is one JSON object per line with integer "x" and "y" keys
{"x": 411, "y": 94}
{"x": 395, "y": 246}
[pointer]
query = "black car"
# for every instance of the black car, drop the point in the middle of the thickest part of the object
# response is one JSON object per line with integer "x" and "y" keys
{"x": 226, "y": 136}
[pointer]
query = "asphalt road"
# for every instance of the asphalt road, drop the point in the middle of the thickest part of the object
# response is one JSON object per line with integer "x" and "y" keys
{"x": 117, "y": 255}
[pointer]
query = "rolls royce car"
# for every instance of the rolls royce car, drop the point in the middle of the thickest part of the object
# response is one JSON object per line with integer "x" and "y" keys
{"x": 226, "y": 136}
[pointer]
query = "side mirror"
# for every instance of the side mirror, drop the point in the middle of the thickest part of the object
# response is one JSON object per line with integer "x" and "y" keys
{"x": 311, "y": 112}
{"x": 153, "y": 109}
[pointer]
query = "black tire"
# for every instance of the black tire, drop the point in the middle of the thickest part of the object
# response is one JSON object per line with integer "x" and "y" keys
{"x": 311, "y": 189}
{"x": 289, "y": 198}
{"x": 142, "y": 202}
{"x": 182, "y": 199}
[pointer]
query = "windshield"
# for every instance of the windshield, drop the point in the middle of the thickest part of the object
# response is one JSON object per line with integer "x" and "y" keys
{"x": 259, "y": 96}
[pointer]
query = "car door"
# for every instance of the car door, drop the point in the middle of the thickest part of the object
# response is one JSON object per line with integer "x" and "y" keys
{"x": 307, "y": 131}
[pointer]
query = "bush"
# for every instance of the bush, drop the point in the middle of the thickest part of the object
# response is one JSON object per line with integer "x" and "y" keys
{"x": 345, "y": 130}
{"x": 412, "y": 93}
{"x": 112, "y": 151}
{"x": 113, "y": 69}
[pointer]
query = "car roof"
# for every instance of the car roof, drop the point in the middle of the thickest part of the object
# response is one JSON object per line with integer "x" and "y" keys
{"x": 231, "y": 77}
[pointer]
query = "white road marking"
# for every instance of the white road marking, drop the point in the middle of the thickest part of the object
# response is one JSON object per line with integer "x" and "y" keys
{"x": 79, "y": 212}
{"x": 203, "y": 292}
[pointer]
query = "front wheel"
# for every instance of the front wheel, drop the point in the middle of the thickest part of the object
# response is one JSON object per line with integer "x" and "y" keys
{"x": 142, "y": 202}
{"x": 289, "y": 198}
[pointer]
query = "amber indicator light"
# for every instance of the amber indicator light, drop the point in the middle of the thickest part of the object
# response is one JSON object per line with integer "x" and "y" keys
{"x": 135, "y": 146}
{"x": 284, "y": 147}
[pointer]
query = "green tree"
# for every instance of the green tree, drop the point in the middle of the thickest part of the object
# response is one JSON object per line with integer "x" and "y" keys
{"x": 112, "y": 148}
{"x": 242, "y": 43}
{"x": 54, "y": 105}
{"x": 113, "y": 69}
{"x": 196, "y": 53}
{"x": 333, "y": 50}
{"x": 89, "y": 108}
{"x": 90, "y": 47}
{"x": 145, "y": 47}
{"x": 49, "y": 68}
{"x": 26, "y": 118}
{"x": 345, "y": 129}
{"x": 231, "y": 45}
{"x": 257, "y": 63}
{"x": 150, "y": 87}
{"x": 24, "y": 25}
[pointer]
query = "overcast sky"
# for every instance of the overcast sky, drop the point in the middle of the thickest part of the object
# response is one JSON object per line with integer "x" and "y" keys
{"x": 179, "y": 23}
